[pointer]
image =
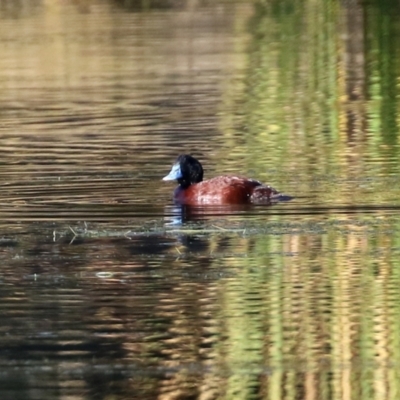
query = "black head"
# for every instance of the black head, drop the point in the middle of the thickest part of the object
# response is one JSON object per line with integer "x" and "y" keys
{"x": 186, "y": 170}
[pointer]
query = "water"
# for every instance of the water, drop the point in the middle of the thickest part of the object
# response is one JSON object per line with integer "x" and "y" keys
{"x": 108, "y": 290}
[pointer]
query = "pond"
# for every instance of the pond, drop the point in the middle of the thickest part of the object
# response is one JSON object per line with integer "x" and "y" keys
{"x": 111, "y": 291}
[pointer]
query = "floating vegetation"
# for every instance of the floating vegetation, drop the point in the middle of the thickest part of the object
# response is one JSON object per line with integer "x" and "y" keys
{"x": 243, "y": 228}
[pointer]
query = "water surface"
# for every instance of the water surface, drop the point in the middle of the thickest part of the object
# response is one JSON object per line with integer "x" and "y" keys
{"x": 108, "y": 290}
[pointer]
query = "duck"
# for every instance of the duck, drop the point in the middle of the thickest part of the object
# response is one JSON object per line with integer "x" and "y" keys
{"x": 192, "y": 190}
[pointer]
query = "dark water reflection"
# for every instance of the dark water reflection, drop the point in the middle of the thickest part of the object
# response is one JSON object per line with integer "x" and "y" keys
{"x": 108, "y": 290}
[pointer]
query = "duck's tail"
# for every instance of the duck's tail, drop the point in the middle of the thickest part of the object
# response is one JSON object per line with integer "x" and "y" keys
{"x": 265, "y": 193}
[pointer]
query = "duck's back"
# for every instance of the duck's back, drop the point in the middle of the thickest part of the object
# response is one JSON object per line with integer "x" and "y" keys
{"x": 224, "y": 190}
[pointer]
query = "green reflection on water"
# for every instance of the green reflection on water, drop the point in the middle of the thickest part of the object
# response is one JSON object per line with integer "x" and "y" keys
{"x": 382, "y": 41}
{"x": 312, "y": 313}
{"x": 290, "y": 101}
{"x": 319, "y": 95}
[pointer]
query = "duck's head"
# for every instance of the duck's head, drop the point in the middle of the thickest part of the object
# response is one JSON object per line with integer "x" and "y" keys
{"x": 186, "y": 170}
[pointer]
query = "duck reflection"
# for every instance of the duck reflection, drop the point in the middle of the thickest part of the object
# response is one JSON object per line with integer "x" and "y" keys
{"x": 180, "y": 214}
